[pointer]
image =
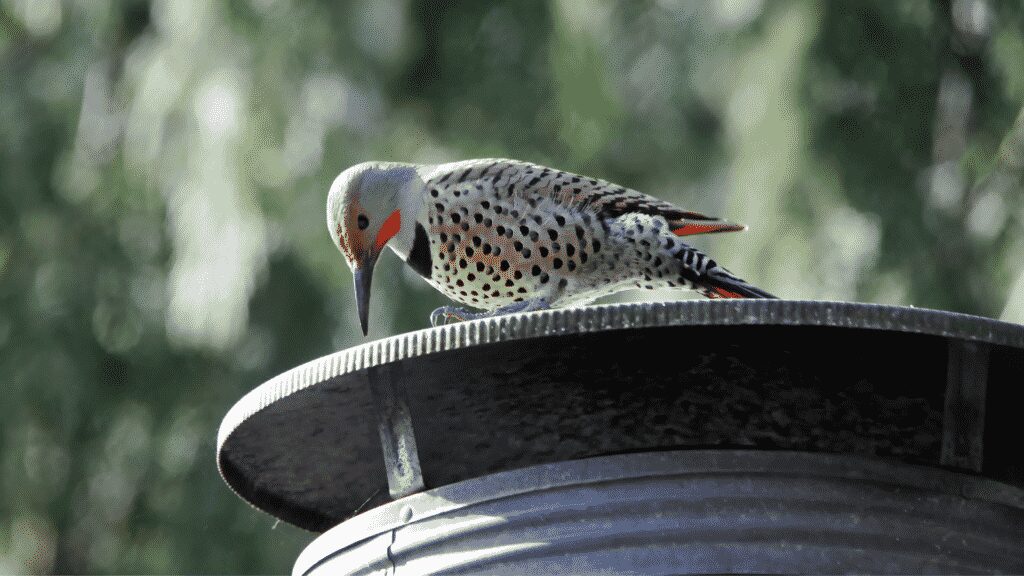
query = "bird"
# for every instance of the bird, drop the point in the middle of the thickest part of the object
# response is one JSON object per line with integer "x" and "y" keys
{"x": 504, "y": 236}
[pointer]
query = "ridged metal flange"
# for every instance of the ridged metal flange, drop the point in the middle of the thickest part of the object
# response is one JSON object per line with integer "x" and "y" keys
{"x": 690, "y": 512}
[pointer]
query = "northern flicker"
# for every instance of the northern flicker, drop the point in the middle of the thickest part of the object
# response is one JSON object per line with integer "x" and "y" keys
{"x": 508, "y": 236}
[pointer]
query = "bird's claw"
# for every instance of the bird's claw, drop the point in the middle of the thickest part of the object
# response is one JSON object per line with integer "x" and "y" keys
{"x": 442, "y": 315}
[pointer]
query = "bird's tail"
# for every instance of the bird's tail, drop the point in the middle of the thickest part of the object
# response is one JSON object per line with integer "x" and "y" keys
{"x": 718, "y": 282}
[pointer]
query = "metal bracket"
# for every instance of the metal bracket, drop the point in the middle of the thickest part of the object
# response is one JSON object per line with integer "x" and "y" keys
{"x": 394, "y": 424}
{"x": 963, "y": 424}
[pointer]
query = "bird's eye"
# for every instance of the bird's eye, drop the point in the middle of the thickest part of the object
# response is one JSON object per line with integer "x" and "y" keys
{"x": 362, "y": 221}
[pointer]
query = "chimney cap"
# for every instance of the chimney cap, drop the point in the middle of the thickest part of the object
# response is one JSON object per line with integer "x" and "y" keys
{"x": 338, "y": 435}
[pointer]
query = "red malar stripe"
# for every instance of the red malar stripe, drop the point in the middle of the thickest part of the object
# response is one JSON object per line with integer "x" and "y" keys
{"x": 388, "y": 229}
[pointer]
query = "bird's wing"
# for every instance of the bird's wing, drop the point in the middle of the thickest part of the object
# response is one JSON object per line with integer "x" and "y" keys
{"x": 611, "y": 201}
{"x": 599, "y": 198}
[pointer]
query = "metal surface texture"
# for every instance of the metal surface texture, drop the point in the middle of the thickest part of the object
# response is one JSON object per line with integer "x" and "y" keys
{"x": 689, "y": 512}
{"x": 344, "y": 433}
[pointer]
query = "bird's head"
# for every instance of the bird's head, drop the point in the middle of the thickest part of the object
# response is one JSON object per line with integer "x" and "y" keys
{"x": 364, "y": 213}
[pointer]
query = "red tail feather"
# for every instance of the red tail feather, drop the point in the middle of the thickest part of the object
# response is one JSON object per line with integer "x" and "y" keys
{"x": 691, "y": 229}
{"x": 723, "y": 293}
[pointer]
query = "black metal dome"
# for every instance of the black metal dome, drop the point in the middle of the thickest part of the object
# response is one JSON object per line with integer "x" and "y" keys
{"x": 352, "y": 430}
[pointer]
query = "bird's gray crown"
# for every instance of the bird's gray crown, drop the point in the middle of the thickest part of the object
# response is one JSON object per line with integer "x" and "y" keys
{"x": 373, "y": 184}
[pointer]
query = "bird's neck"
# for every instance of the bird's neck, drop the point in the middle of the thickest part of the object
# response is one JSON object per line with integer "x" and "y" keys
{"x": 413, "y": 210}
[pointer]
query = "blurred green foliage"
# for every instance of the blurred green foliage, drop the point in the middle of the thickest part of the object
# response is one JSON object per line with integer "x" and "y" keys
{"x": 164, "y": 166}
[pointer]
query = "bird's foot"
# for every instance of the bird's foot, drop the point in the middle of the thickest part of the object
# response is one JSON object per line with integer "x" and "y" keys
{"x": 524, "y": 306}
{"x": 442, "y": 315}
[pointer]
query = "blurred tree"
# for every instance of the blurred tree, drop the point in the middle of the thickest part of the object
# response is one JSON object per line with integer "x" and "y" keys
{"x": 163, "y": 169}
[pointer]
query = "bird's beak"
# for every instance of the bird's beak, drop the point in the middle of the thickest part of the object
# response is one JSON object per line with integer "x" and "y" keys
{"x": 363, "y": 276}
{"x": 363, "y": 271}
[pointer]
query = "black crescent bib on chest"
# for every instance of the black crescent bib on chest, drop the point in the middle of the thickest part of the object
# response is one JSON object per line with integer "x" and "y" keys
{"x": 419, "y": 256}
